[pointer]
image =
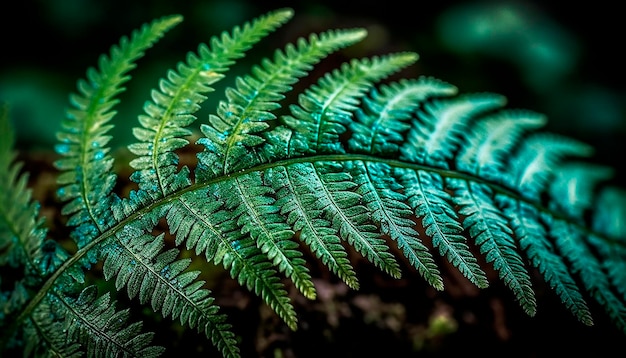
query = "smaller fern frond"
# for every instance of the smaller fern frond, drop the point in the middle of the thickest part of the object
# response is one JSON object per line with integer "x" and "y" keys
{"x": 489, "y": 228}
{"x": 608, "y": 220}
{"x": 437, "y": 134}
{"x": 382, "y": 195}
{"x": 536, "y": 159}
{"x": 533, "y": 239}
{"x": 342, "y": 205}
{"x": 138, "y": 263}
{"x": 234, "y": 132}
{"x": 433, "y": 207}
{"x": 86, "y": 182}
{"x": 22, "y": 230}
{"x": 296, "y": 204}
{"x": 172, "y": 108}
{"x": 200, "y": 219}
{"x": 570, "y": 241}
{"x": 492, "y": 139}
{"x": 325, "y": 109}
{"x": 573, "y": 188}
{"x": 387, "y": 112}
{"x": 257, "y": 215}
{"x": 92, "y": 321}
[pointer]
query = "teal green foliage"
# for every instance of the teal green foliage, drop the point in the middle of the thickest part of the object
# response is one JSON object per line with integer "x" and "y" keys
{"x": 357, "y": 162}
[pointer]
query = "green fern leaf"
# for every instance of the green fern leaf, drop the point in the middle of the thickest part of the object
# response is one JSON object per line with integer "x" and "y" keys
{"x": 296, "y": 205}
{"x": 432, "y": 205}
{"x": 381, "y": 194}
{"x": 181, "y": 93}
{"x": 139, "y": 263}
{"x": 22, "y": 232}
{"x": 489, "y": 228}
{"x": 86, "y": 182}
{"x": 533, "y": 238}
{"x": 240, "y": 121}
{"x": 357, "y": 163}
{"x": 380, "y": 127}
{"x": 325, "y": 110}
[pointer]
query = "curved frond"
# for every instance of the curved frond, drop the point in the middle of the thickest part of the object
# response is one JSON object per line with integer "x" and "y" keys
{"x": 355, "y": 163}
{"x": 140, "y": 264}
{"x": 172, "y": 108}
{"x": 22, "y": 231}
{"x": 87, "y": 181}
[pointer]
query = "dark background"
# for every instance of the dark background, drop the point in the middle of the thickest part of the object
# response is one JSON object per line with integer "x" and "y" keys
{"x": 563, "y": 61}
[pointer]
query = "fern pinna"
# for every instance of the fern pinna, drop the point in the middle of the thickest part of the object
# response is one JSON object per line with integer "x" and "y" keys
{"x": 357, "y": 161}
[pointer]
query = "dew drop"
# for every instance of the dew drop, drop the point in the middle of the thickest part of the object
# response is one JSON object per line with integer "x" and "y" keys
{"x": 99, "y": 155}
{"x": 206, "y": 67}
{"x": 61, "y": 191}
{"x": 62, "y": 148}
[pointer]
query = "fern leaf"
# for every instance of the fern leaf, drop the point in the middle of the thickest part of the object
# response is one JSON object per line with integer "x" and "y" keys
{"x": 536, "y": 158}
{"x": 387, "y": 113}
{"x": 435, "y": 137}
{"x": 318, "y": 233}
{"x": 608, "y": 220}
{"x": 237, "y": 127}
{"x": 489, "y": 228}
{"x": 199, "y": 219}
{"x": 90, "y": 323}
{"x": 570, "y": 241}
{"x": 492, "y": 139}
{"x": 325, "y": 110}
{"x": 572, "y": 189}
{"x": 22, "y": 231}
{"x": 43, "y": 339}
{"x": 172, "y": 107}
{"x": 432, "y": 205}
{"x": 533, "y": 239}
{"x": 252, "y": 203}
{"x": 139, "y": 263}
{"x": 86, "y": 183}
{"x": 342, "y": 206}
{"x": 381, "y": 194}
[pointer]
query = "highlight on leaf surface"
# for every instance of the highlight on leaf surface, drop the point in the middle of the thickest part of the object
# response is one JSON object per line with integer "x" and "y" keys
{"x": 404, "y": 172}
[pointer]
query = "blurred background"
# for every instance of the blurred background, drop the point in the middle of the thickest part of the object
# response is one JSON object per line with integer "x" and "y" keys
{"x": 561, "y": 61}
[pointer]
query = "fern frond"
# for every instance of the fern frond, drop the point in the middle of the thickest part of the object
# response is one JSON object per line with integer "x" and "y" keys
{"x": 325, "y": 109}
{"x": 180, "y": 94}
{"x": 242, "y": 117}
{"x": 200, "y": 219}
{"x": 22, "y": 230}
{"x": 432, "y": 205}
{"x": 253, "y": 205}
{"x": 608, "y": 220}
{"x": 383, "y": 122}
{"x": 355, "y": 164}
{"x": 489, "y": 228}
{"x": 536, "y": 159}
{"x": 87, "y": 182}
{"x": 138, "y": 263}
{"x": 570, "y": 241}
{"x": 533, "y": 238}
{"x": 489, "y": 144}
{"x": 92, "y": 321}
{"x": 382, "y": 195}
{"x": 297, "y": 205}
{"x": 437, "y": 133}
